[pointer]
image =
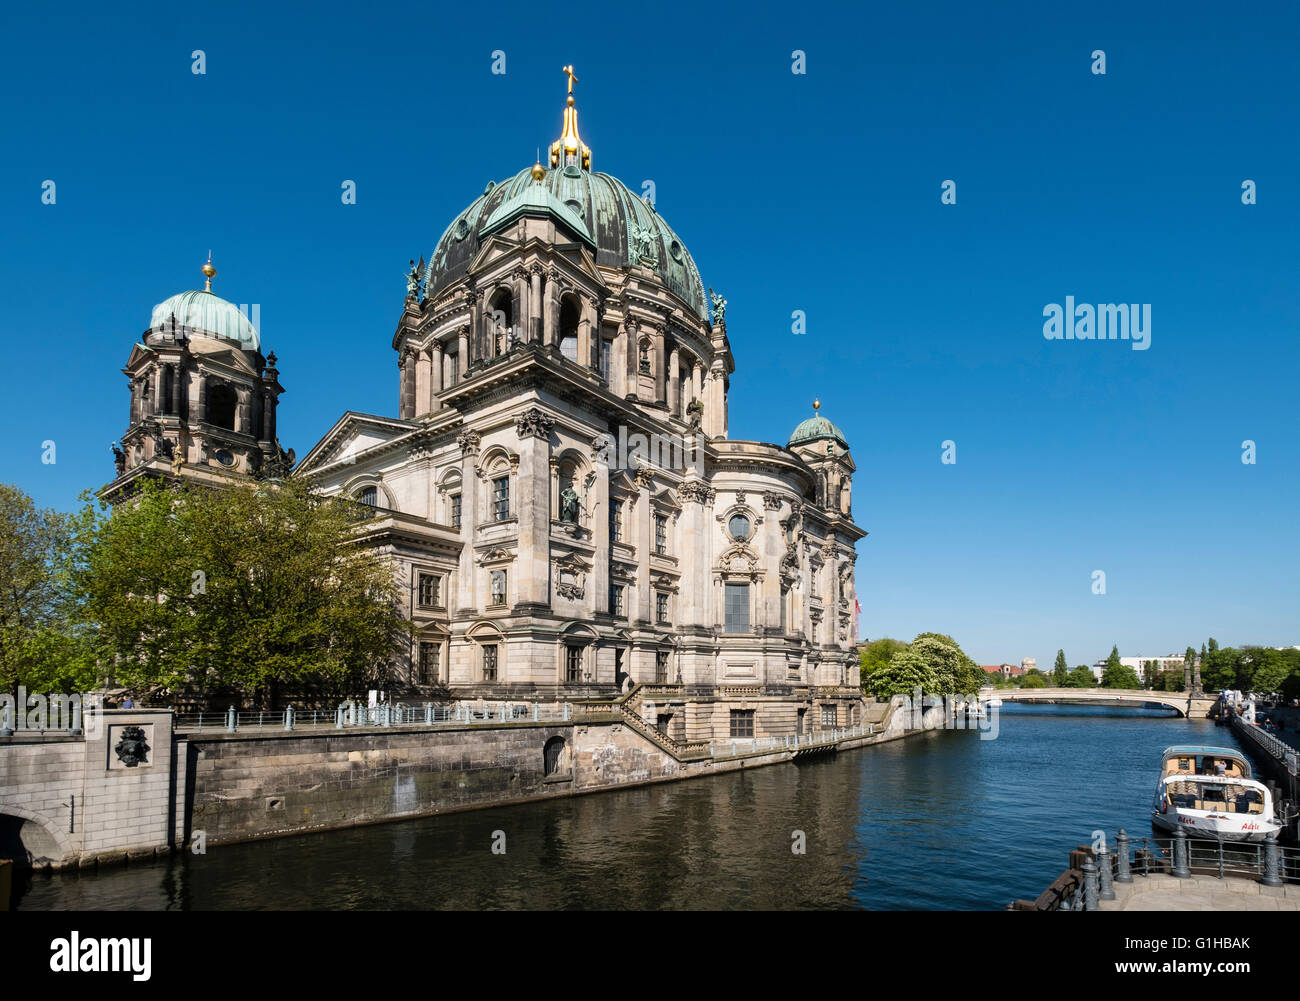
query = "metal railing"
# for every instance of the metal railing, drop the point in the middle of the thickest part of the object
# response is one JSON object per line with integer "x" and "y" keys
{"x": 384, "y": 714}
{"x": 1092, "y": 878}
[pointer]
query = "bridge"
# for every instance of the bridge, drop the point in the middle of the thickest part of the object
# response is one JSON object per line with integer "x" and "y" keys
{"x": 1192, "y": 705}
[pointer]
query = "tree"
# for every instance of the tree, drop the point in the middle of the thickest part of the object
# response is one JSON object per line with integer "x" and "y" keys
{"x": 1189, "y": 659}
{"x": 1033, "y": 679}
{"x": 1060, "y": 672}
{"x": 255, "y": 588}
{"x": 904, "y": 672}
{"x": 43, "y": 646}
{"x": 1117, "y": 675}
{"x": 1081, "y": 677}
{"x": 875, "y": 655}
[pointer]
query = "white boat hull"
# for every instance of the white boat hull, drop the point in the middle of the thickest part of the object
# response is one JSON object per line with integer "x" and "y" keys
{"x": 1224, "y": 827}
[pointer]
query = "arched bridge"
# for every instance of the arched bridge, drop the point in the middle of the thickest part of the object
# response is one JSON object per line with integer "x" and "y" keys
{"x": 1193, "y": 706}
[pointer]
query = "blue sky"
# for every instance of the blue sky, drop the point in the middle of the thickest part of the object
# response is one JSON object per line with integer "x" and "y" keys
{"x": 818, "y": 192}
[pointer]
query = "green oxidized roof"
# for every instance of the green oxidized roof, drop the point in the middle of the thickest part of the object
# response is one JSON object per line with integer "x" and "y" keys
{"x": 622, "y": 228}
{"x": 210, "y": 313}
{"x": 816, "y": 429}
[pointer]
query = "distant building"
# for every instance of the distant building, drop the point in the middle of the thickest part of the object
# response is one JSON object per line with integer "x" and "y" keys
{"x": 1169, "y": 662}
{"x": 1028, "y": 664}
{"x": 1006, "y": 670}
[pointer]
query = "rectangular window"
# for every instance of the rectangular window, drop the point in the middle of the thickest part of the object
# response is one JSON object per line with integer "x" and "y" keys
{"x": 785, "y": 603}
{"x": 606, "y": 349}
{"x": 661, "y": 608}
{"x": 661, "y": 667}
{"x": 430, "y": 590}
{"x": 455, "y": 510}
{"x": 661, "y": 534}
{"x": 736, "y": 617}
{"x": 490, "y": 662}
{"x": 616, "y": 599}
{"x": 615, "y": 521}
{"x": 572, "y": 664}
{"x": 742, "y": 722}
{"x": 501, "y": 498}
{"x": 498, "y": 581}
{"x": 428, "y": 664}
{"x": 830, "y": 716}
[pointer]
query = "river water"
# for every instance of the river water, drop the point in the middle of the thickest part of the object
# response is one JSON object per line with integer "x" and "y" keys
{"x": 939, "y": 821}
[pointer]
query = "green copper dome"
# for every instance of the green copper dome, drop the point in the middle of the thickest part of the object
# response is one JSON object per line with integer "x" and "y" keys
{"x": 600, "y": 211}
{"x": 209, "y": 313}
{"x": 816, "y": 428}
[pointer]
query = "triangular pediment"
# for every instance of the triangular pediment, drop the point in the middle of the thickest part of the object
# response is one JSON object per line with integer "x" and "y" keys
{"x": 353, "y": 435}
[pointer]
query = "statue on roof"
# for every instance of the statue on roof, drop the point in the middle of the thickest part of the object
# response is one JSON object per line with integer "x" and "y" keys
{"x": 719, "y": 306}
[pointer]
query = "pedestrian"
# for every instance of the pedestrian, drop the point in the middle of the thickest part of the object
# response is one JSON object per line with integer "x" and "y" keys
{"x": 128, "y": 703}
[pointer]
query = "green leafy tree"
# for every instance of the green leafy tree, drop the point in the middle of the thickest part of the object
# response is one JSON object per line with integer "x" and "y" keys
{"x": 1033, "y": 679}
{"x": 1189, "y": 659}
{"x": 1060, "y": 672}
{"x": 43, "y": 644}
{"x": 1117, "y": 675}
{"x": 255, "y": 588}
{"x": 875, "y": 655}
{"x": 1080, "y": 676}
{"x": 904, "y": 672}
{"x": 1220, "y": 668}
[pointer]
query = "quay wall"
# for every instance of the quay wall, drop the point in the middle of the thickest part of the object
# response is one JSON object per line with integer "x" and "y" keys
{"x": 68, "y": 801}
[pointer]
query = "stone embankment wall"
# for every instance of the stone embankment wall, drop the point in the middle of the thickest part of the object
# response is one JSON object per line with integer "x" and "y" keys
{"x": 243, "y": 786}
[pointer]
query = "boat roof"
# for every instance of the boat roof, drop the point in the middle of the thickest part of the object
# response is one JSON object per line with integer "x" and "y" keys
{"x": 1184, "y": 750}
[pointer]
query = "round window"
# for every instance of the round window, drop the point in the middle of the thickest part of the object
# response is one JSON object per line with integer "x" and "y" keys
{"x": 738, "y": 527}
{"x": 575, "y": 207}
{"x": 224, "y": 457}
{"x": 462, "y": 229}
{"x": 676, "y": 250}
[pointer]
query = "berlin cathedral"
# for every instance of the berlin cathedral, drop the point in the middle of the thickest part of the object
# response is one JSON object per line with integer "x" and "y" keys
{"x": 558, "y": 490}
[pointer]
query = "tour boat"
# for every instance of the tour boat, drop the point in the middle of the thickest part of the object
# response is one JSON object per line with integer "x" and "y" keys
{"x": 1209, "y": 792}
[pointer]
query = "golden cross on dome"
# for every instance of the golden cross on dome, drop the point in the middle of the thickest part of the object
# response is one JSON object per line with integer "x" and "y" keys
{"x": 572, "y": 79}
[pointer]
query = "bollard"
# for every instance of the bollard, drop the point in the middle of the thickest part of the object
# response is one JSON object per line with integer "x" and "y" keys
{"x": 1089, "y": 886}
{"x": 1271, "y": 877}
{"x": 338, "y": 718}
{"x": 1125, "y": 874}
{"x": 288, "y": 717}
{"x": 76, "y": 719}
{"x": 230, "y": 720}
{"x": 1180, "y": 870}
{"x": 1103, "y": 870}
{"x": 428, "y": 714}
{"x": 388, "y": 714}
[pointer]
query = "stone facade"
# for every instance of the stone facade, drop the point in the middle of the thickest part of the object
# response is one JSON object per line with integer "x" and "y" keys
{"x": 559, "y": 493}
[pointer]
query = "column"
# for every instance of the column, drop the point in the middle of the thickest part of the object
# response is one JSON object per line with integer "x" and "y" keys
{"x": 584, "y": 335}
{"x": 600, "y": 535}
{"x": 242, "y": 411}
{"x": 551, "y": 311}
{"x": 469, "y": 444}
{"x": 646, "y": 547}
{"x": 134, "y": 409}
{"x": 475, "y": 334}
{"x": 632, "y": 353}
{"x": 535, "y": 305}
{"x": 697, "y": 381}
{"x": 177, "y": 372}
{"x": 435, "y": 374}
{"x": 674, "y": 382}
{"x": 462, "y": 352}
{"x": 657, "y": 351}
{"x": 532, "y": 562}
{"x": 159, "y": 401}
{"x": 423, "y": 380}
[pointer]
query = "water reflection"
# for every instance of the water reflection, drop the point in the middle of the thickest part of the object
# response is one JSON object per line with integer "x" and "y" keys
{"x": 940, "y": 821}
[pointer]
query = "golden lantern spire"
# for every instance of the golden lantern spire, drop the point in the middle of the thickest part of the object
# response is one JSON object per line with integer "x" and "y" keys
{"x": 817, "y": 405}
{"x": 569, "y": 150}
{"x": 209, "y": 272}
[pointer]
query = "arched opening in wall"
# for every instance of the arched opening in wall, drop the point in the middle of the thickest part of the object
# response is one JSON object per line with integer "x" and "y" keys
{"x": 368, "y": 496}
{"x": 221, "y": 406}
{"x": 570, "y": 314}
{"x": 26, "y": 842}
{"x": 500, "y": 321}
{"x": 555, "y": 757}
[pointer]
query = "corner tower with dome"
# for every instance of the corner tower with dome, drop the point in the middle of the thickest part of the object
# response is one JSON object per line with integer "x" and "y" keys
{"x": 202, "y": 397}
{"x": 559, "y": 489}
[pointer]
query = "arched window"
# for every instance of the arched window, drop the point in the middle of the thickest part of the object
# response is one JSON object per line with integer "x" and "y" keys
{"x": 570, "y": 314}
{"x": 368, "y": 495}
{"x": 500, "y": 321}
{"x": 221, "y": 406}
{"x": 554, "y": 759}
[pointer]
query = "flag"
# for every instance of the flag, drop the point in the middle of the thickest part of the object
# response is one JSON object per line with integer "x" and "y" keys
{"x": 856, "y": 607}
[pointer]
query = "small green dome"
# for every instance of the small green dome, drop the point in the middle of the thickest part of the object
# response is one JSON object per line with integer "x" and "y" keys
{"x": 816, "y": 428}
{"x": 209, "y": 313}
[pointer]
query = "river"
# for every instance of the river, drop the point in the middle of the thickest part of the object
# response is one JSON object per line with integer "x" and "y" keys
{"x": 939, "y": 821}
